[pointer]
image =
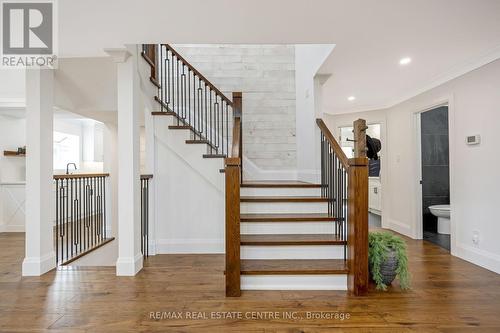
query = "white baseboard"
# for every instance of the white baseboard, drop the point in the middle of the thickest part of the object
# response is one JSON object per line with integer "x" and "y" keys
{"x": 129, "y": 266}
{"x": 36, "y": 266}
{"x": 184, "y": 246}
{"x": 11, "y": 228}
{"x": 401, "y": 228}
{"x": 294, "y": 282}
{"x": 310, "y": 176}
{"x": 480, "y": 257}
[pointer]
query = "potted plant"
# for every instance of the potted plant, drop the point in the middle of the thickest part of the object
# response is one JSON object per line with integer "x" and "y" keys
{"x": 387, "y": 259}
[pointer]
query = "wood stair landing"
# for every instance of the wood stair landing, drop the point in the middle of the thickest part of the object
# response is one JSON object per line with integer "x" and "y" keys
{"x": 286, "y": 218}
{"x": 293, "y": 267}
{"x": 291, "y": 239}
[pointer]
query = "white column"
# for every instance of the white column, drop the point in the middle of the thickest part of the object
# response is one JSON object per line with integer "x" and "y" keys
{"x": 129, "y": 260}
{"x": 39, "y": 256}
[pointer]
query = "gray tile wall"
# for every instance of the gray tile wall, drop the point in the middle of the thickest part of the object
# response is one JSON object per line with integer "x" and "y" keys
{"x": 435, "y": 163}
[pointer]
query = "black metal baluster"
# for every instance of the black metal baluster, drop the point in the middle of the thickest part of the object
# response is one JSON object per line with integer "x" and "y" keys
{"x": 206, "y": 112}
{"x": 227, "y": 131}
{"x": 57, "y": 222}
{"x": 72, "y": 215}
{"x": 147, "y": 217}
{"x": 211, "y": 123}
{"x": 105, "y": 206}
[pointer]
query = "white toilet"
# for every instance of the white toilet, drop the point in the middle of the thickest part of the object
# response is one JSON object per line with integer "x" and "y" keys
{"x": 443, "y": 214}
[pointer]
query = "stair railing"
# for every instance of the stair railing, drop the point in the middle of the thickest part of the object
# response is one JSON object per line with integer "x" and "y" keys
{"x": 345, "y": 183}
{"x": 197, "y": 103}
{"x": 80, "y": 215}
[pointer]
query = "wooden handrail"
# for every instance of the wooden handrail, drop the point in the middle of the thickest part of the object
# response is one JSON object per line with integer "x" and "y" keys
{"x": 81, "y": 175}
{"x": 335, "y": 146}
{"x": 195, "y": 71}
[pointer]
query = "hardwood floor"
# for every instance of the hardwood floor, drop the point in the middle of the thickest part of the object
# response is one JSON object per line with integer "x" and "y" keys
{"x": 448, "y": 295}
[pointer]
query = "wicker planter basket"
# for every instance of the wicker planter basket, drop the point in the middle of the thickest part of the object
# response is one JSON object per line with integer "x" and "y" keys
{"x": 388, "y": 268}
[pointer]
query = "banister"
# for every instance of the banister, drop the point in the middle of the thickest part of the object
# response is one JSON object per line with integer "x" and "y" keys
{"x": 81, "y": 175}
{"x": 195, "y": 71}
{"x": 335, "y": 146}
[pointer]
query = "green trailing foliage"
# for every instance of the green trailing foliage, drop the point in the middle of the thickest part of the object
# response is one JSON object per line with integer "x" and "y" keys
{"x": 380, "y": 243}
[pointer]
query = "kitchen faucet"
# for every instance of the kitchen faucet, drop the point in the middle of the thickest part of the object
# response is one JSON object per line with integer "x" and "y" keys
{"x": 67, "y": 167}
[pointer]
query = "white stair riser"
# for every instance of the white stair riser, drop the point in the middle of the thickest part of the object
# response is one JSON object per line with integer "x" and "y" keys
{"x": 292, "y": 252}
{"x": 282, "y": 192}
{"x": 294, "y": 282}
{"x": 287, "y": 228}
{"x": 283, "y": 207}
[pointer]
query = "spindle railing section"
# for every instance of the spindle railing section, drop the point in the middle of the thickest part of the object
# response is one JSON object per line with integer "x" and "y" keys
{"x": 80, "y": 215}
{"x": 197, "y": 104}
{"x": 345, "y": 183}
{"x": 334, "y": 184}
{"x": 145, "y": 214}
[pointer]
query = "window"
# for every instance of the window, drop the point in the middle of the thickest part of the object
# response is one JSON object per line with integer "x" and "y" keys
{"x": 66, "y": 150}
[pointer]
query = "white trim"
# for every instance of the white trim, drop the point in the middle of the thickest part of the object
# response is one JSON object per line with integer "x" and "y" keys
{"x": 417, "y": 224}
{"x": 480, "y": 257}
{"x": 454, "y": 73}
{"x": 400, "y": 227}
{"x": 118, "y": 55}
{"x": 11, "y": 228}
{"x": 36, "y": 266}
{"x": 128, "y": 266}
{"x": 182, "y": 246}
{"x": 294, "y": 282}
{"x": 12, "y": 103}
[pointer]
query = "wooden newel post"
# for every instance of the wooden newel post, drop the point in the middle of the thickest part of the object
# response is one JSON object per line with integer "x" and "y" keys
{"x": 357, "y": 239}
{"x": 238, "y": 113}
{"x": 232, "y": 172}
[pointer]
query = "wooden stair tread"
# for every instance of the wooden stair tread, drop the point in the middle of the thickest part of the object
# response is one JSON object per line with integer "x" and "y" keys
{"x": 286, "y": 217}
{"x": 214, "y": 156}
{"x": 281, "y": 199}
{"x": 293, "y": 266}
{"x": 279, "y": 184}
{"x": 292, "y": 239}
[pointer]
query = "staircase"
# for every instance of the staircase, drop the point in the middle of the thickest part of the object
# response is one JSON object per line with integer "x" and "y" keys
{"x": 279, "y": 234}
{"x": 288, "y": 239}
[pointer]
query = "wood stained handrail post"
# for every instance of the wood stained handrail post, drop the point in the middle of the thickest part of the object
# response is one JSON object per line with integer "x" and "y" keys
{"x": 357, "y": 233}
{"x": 232, "y": 173}
{"x": 238, "y": 113}
{"x": 357, "y": 238}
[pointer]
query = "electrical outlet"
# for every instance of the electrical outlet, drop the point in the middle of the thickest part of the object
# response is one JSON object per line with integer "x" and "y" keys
{"x": 475, "y": 237}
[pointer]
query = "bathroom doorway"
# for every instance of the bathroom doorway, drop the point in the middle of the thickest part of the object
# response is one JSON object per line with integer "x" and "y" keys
{"x": 435, "y": 180}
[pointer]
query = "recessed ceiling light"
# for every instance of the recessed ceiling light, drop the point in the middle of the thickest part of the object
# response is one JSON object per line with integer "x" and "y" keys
{"x": 351, "y": 98}
{"x": 405, "y": 61}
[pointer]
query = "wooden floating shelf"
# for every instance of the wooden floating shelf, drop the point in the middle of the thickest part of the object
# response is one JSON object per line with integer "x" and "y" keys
{"x": 13, "y": 153}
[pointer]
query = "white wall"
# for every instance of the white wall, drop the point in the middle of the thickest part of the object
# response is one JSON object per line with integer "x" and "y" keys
{"x": 189, "y": 194}
{"x": 474, "y": 103}
{"x": 13, "y": 135}
{"x": 308, "y": 60}
{"x": 266, "y": 76}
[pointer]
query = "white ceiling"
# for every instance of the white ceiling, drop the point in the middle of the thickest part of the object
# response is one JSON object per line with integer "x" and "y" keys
{"x": 444, "y": 38}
